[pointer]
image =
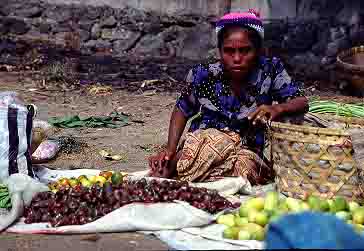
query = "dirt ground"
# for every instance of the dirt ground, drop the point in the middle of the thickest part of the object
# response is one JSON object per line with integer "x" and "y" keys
{"x": 135, "y": 141}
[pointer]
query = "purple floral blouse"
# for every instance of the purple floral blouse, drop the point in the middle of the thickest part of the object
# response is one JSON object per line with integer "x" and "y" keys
{"x": 209, "y": 99}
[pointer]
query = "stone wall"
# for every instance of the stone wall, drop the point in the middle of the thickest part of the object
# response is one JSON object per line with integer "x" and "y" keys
{"x": 317, "y": 34}
{"x": 169, "y": 7}
{"x": 124, "y": 30}
{"x": 268, "y": 9}
{"x": 309, "y": 32}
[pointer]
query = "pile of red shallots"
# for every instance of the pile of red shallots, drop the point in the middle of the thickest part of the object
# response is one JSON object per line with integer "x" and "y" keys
{"x": 80, "y": 205}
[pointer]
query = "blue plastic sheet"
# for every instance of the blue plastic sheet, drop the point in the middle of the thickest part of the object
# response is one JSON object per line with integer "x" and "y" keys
{"x": 312, "y": 231}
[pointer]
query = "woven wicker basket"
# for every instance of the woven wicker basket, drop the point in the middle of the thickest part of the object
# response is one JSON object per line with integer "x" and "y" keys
{"x": 316, "y": 161}
{"x": 351, "y": 59}
{"x": 351, "y": 62}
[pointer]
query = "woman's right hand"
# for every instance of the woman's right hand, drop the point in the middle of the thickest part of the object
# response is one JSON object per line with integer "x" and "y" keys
{"x": 159, "y": 163}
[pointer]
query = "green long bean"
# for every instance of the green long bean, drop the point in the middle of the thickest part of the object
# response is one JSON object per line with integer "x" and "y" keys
{"x": 332, "y": 107}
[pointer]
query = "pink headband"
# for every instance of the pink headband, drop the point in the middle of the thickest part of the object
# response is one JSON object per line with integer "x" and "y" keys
{"x": 245, "y": 19}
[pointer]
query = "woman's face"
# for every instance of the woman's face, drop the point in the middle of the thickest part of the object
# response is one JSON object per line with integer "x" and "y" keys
{"x": 238, "y": 54}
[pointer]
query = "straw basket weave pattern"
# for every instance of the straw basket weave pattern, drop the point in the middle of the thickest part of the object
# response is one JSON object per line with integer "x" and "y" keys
{"x": 317, "y": 161}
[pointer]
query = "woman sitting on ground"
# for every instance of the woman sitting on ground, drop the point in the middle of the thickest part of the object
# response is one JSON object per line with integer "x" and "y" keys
{"x": 229, "y": 102}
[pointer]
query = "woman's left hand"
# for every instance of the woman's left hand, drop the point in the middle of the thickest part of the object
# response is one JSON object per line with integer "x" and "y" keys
{"x": 265, "y": 113}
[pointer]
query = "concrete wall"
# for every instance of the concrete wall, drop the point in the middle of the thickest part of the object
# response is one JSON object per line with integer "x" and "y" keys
{"x": 170, "y": 7}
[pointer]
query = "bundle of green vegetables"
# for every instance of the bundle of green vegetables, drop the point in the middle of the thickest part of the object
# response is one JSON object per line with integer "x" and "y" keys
{"x": 340, "y": 109}
{"x": 5, "y": 201}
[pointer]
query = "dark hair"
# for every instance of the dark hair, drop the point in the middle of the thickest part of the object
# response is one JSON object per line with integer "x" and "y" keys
{"x": 253, "y": 35}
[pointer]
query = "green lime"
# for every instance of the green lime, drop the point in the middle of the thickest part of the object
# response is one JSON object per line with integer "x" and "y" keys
{"x": 293, "y": 204}
{"x": 81, "y": 177}
{"x": 226, "y": 219}
{"x": 261, "y": 218}
{"x": 353, "y": 206}
{"x": 241, "y": 221}
{"x": 244, "y": 235}
{"x": 231, "y": 233}
{"x": 340, "y": 204}
{"x": 86, "y": 183}
{"x": 259, "y": 235}
{"x": 271, "y": 201}
{"x": 243, "y": 211}
{"x": 283, "y": 207}
{"x": 74, "y": 182}
{"x": 305, "y": 206}
{"x": 333, "y": 209}
{"x": 324, "y": 206}
{"x": 256, "y": 231}
{"x": 330, "y": 201}
{"x": 255, "y": 203}
{"x": 358, "y": 216}
{"x": 252, "y": 214}
{"x": 116, "y": 178}
{"x": 314, "y": 202}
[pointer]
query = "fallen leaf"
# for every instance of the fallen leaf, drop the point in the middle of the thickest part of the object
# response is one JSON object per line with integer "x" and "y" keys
{"x": 100, "y": 90}
{"x": 117, "y": 157}
{"x": 104, "y": 154}
{"x": 149, "y": 93}
{"x": 108, "y": 156}
{"x": 148, "y": 82}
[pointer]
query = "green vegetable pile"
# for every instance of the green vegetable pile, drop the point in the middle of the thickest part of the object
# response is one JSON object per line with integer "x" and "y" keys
{"x": 254, "y": 216}
{"x": 340, "y": 109}
{"x": 5, "y": 201}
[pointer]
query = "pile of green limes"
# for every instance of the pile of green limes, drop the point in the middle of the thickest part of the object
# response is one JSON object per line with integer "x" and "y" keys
{"x": 254, "y": 216}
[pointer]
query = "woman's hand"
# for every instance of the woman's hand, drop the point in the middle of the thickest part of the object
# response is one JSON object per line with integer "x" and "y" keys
{"x": 159, "y": 164}
{"x": 265, "y": 113}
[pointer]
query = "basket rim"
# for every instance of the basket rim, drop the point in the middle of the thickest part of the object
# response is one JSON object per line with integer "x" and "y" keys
{"x": 349, "y": 52}
{"x": 318, "y": 130}
{"x": 309, "y": 129}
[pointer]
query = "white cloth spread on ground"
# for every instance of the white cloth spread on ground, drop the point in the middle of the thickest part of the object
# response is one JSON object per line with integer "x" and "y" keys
{"x": 179, "y": 223}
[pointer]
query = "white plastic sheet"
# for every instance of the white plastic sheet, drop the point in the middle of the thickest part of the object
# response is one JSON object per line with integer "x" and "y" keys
{"x": 133, "y": 217}
{"x": 204, "y": 238}
{"x": 180, "y": 225}
{"x": 22, "y": 188}
{"x": 137, "y": 216}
